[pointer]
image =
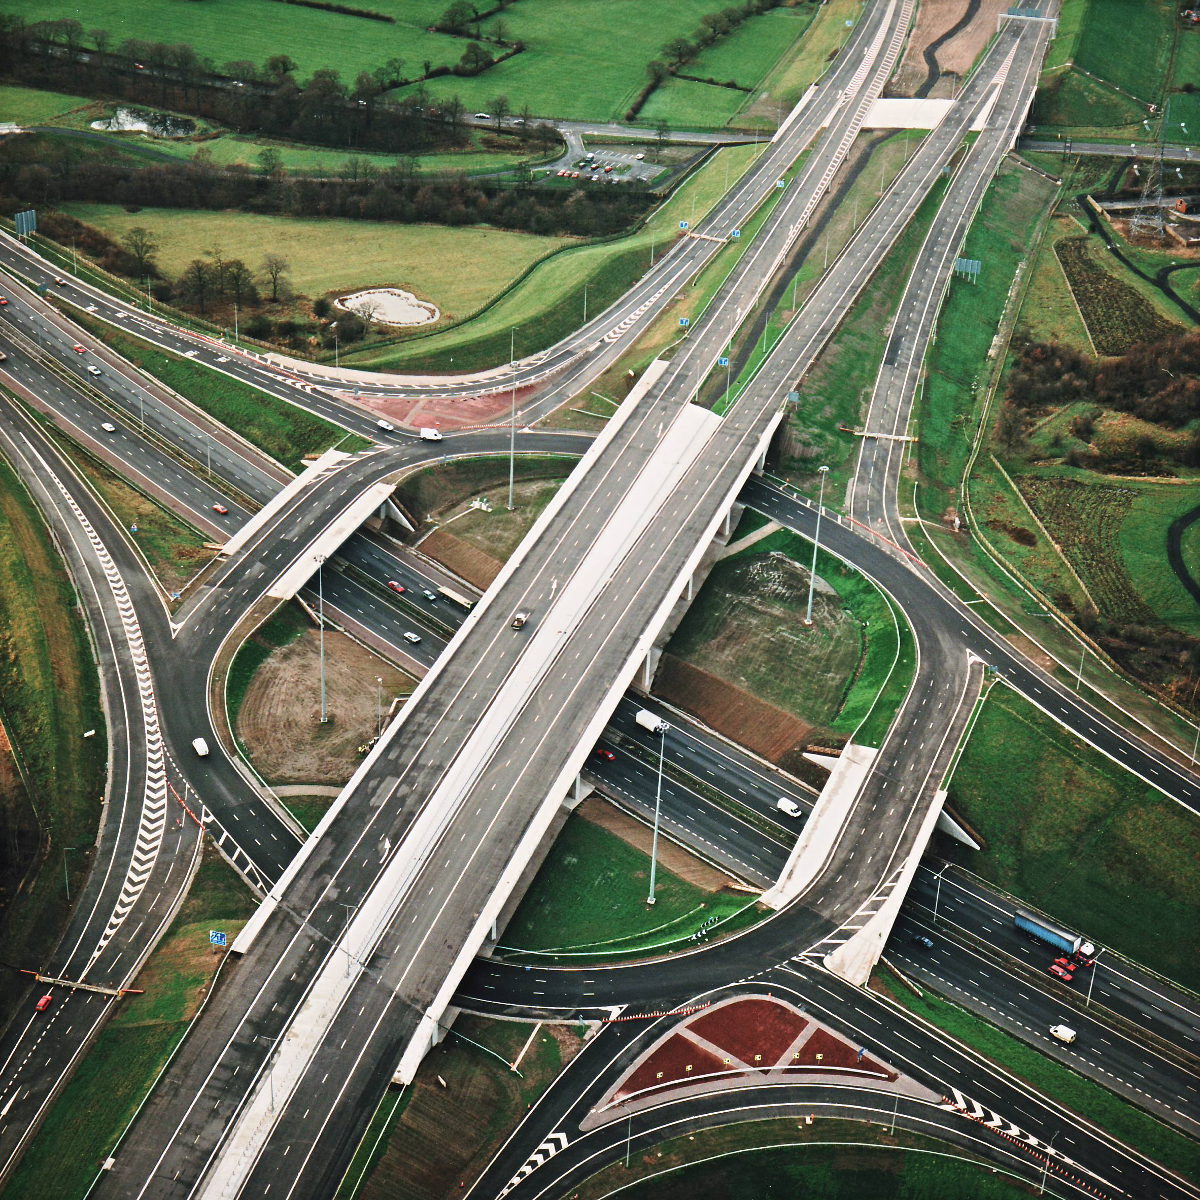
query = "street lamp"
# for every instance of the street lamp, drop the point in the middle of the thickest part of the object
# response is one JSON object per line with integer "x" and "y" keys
{"x": 262, "y": 1037}
{"x": 512, "y": 422}
{"x": 812, "y": 575}
{"x": 320, "y": 559}
{"x": 662, "y": 746}
{"x": 937, "y": 895}
{"x": 333, "y": 330}
{"x": 351, "y": 909}
{"x": 66, "y": 877}
{"x": 378, "y": 706}
{"x": 1046, "y": 1166}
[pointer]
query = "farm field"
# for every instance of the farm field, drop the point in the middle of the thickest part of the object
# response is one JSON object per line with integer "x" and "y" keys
{"x": 1049, "y": 312}
{"x": 1132, "y": 876}
{"x": 593, "y": 68}
{"x": 682, "y": 101}
{"x": 1136, "y": 64}
{"x": 240, "y": 30}
{"x": 459, "y": 270}
{"x": 754, "y": 47}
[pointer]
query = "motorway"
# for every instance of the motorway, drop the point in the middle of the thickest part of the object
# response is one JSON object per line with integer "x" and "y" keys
{"x": 310, "y": 924}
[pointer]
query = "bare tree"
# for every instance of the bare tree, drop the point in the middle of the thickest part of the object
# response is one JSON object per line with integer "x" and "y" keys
{"x": 197, "y": 283}
{"x": 275, "y": 267}
{"x": 367, "y": 308}
{"x": 141, "y": 244}
{"x": 239, "y": 281}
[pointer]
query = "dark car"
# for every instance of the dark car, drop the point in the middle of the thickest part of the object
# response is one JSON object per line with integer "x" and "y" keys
{"x": 919, "y": 939}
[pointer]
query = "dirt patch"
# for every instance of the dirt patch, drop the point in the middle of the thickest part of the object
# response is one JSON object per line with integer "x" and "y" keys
{"x": 1020, "y": 535}
{"x": 279, "y": 722}
{"x": 746, "y": 720}
{"x": 497, "y": 531}
{"x": 954, "y": 56}
{"x": 1031, "y": 651}
{"x": 465, "y": 560}
{"x": 674, "y": 858}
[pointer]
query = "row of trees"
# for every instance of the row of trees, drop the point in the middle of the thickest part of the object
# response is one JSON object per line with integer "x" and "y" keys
{"x": 268, "y": 100}
{"x": 34, "y": 172}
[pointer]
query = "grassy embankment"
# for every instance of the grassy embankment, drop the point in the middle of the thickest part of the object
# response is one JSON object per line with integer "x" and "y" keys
{"x": 1119, "y": 1118}
{"x": 1080, "y": 837}
{"x": 110, "y": 1083}
{"x": 281, "y": 629}
{"x": 548, "y": 303}
{"x": 282, "y": 430}
{"x": 466, "y": 1117}
{"x": 745, "y": 626}
{"x": 49, "y": 696}
{"x": 588, "y": 903}
{"x": 830, "y": 1159}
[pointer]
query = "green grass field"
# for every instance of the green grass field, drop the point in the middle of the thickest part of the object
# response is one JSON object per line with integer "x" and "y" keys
{"x": 763, "y": 40}
{"x": 282, "y": 430}
{"x": 589, "y": 898}
{"x": 31, "y": 106}
{"x": 1071, "y": 17}
{"x": 1049, "y": 312}
{"x": 229, "y": 30}
{"x": 101, "y": 1098}
{"x": 1080, "y": 837}
{"x": 1137, "y": 64}
{"x": 459, "y": 270}
{"x": 683, "y": 102}
{"x": 1120, "y": 1118}
{"x": 548, "y": 303}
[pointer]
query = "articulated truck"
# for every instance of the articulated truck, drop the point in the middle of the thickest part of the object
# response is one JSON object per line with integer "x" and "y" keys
{"x": 1052, "y": 935}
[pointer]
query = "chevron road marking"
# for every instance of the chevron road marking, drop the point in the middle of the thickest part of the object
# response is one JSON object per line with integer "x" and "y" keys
{"x": 546, "y": 1151}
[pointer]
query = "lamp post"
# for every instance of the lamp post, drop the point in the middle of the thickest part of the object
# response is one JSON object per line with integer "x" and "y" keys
{"x": 378, "y": 706}
{"x": 1092, "y": 980}
{"x": 351, "y": 909}
{"x": 66, "y": 877}
{"x": 320, "y": 558}
{"x": 262, "y": 1037}
{"x": 812, "y": 575}
{"x": 1046, "y": 1167}
{"x": 937, "y": 895}
{"x": 662, "y": 746}
{"x": 512, "y": 423}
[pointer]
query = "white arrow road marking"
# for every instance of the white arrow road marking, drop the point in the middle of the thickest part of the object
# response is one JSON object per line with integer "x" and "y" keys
{"x": 546, "y": 1151}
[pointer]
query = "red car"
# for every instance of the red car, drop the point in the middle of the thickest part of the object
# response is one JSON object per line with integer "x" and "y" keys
{"x": 79, "y": 349}
{"x": 607, "y": 755}
{"x": 3, "y": 299}
{"x": 399, "y": 588}
{"x": 44, "y": 1003}
{"x": 1060, "y": 973}
{"x": 220, "y": 508}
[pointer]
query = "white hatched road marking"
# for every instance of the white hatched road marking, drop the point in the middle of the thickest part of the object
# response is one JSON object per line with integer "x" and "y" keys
{"x": 153, "y": 819}
{"x": 546, "y": 1151}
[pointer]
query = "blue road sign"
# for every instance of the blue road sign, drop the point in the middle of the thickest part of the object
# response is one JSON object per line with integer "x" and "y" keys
{"x": 26, "y": 222}
{"x": 736, "y": 233}
{"x": 683, "y": 321}
{"x": 722, "y": 361}
{"x": 683, "y": 224}
{"x": 216, "y": 937}
{"x": 781, "y": 183}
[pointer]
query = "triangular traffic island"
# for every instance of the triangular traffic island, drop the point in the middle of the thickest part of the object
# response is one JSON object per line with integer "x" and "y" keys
{"x": 758, "y": 1037}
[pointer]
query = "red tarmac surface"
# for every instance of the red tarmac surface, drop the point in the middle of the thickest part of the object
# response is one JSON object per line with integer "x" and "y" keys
{"x": 448, "y": 413}
{"x": 755, "y": 1031}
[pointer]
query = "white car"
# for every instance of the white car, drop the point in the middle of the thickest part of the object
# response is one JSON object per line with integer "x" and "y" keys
{"x": 93, "y": 370}
{"x": 222, "y": 358}
{"x": 108, "y": 427}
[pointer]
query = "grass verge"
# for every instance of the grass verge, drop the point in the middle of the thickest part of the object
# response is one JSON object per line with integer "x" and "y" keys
{"x": 98, "y": 1103}
{"x": 283, "y": 628}
{"x": 52, "y": 781}
{"x": 1103, "y": 1108}
{"x": 1080, "y": 837}
{"x": 832, "y": 1159}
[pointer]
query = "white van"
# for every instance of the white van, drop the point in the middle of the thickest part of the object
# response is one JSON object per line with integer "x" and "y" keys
{"x": 431, "y": 435}
{"x": 789, "y": 808}
{"x": 386, "y": 426}
{"x": 200, "y": 746}
{"x": 1064, "y": 1033}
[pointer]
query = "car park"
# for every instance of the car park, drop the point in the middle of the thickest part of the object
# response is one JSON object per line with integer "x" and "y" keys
{"x": 220, "y": 509}
{"x": 108, "y": 427}
{"x": 398, "y": 588}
